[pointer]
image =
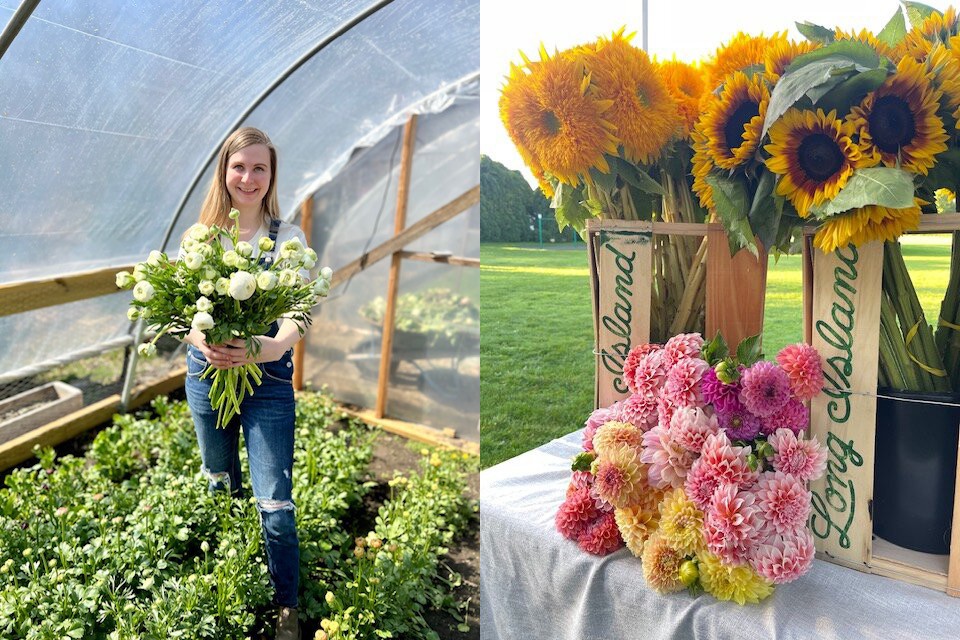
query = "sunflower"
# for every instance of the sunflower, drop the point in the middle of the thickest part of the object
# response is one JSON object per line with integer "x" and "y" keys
{"x": 868, "y": 38}
{"x": 781, "y": 53}
{"x": 555, "y": 121}
{"x": 864, "y": 225}
{"x": 733, "y": 121}
{"x": 701, "y": 166}
{"x": 685, "y": 84}
{"x": 943, "y": 66}
{"x": 898, "y": 124}
{"x": 936, "y": 28}
{"x": 814, "y": 155}
{"x": 741, "y": 52}
{"x": 642, "y": 110}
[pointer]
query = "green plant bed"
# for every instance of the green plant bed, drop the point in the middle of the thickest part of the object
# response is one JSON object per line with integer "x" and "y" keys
{"x": 126, "y": 542}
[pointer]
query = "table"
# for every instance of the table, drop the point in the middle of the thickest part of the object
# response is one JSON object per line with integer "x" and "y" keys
{"x": 534, "y": 584}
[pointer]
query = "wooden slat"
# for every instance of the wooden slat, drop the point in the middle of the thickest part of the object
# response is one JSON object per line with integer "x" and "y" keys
{"x": 735, "y": 289}
{"x": 422, "y": 256}
{"x": 418, "y": 432}
{"x": 393, "y": 280}
{"x": 658, "y": 228}
{"x": 929, "y": 223}
{"x": 411, "y": 233}
{"x": 19, "y": 449}
{"x": 306, "y": 225}
{"x": 953, "y": 573}
{"x": 807, "y": 279}
{"x": 17, "y": 297}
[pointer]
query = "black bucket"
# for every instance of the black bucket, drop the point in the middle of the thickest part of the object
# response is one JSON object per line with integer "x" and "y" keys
{"x": 916, "y": 463}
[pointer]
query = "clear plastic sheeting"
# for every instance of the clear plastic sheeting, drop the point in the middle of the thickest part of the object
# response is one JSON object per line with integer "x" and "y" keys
{"x": 434, "y": 379}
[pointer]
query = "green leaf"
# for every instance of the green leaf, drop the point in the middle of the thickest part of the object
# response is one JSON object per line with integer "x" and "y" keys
{"x": 606, "y": 181}
{"x": 859, "y": 53}
{"x": 851, "y": 91}
{"x": 570, "y": 211}
{"x": 895, "y": 30}
{"x": 814, "y": 32}
{"x": 766, "y": 210}
{"x": 715, "y": 350}
{"x": 749, "y": 352}
{"x": 730, "y": 196}
{"x": 885, "y": 186}
{"x": 634, "y": 176}
{"x": 582, "y": 461}
{"x": 918, "y": 12}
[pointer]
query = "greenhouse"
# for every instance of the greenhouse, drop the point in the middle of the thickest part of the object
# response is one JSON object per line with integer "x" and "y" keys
{"x": 111, "y": 118}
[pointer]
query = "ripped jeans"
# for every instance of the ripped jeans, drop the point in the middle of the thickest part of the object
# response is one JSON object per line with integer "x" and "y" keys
{"x": 267, "y": 420}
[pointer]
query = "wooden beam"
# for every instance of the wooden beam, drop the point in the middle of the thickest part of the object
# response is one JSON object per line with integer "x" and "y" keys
{"x": 393, "y": 282}
{"x": 306, "y": 225}
{"x": 17, "y": 297}
{"x": 19, "y": 449}
{"x": 422, "y": 256}
{"x": 735, "y": 289}
{"x": 421, "y": 433}
{"x": 807, "y": 280}
{"x": 411, "y": 233}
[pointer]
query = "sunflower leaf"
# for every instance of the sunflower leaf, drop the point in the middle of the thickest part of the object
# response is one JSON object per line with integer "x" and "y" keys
{"x": 730, "y": 197}
{"x": 884, "y": 186}
{"x": 918, "y": 12}
{"x": 895, "y": 31}
{"x": 765, "y": 211}
{"x": 814, "y": 32}
{"x": 606, "y": 181}
{"x": 569, "y": 210}
{"x": 851, "y": 91}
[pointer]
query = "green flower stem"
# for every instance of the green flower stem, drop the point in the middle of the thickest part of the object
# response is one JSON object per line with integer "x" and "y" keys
{"x": 948, "y": 339}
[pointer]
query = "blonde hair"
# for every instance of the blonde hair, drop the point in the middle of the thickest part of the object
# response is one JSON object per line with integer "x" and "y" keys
{"x": 216, "y": 205}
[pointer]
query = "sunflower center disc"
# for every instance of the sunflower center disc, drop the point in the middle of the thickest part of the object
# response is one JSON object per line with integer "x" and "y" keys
{"x": 733, "y": 131}
{"x": 892, "y": 126}
{"x": 819, "y": 156}
{"x": 551, "y": 122}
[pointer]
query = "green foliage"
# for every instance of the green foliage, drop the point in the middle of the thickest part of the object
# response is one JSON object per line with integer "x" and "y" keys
{"x": 435, "y": 313}
{"x": 894, "y": 31}
{"x": 509, "y": 207}
{"x": 884, "y": 186}
{"x": 730, "y": 196}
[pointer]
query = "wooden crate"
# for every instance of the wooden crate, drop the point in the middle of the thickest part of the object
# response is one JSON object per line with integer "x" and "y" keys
{"x": 621, "y": 271}
{"x": 842, "y": 294}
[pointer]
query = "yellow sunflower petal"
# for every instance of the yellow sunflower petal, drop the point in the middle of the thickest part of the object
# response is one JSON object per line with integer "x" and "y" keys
{"x": 740, "y": 52}
{"x": 686, "y": 85}
{"x": 732, "y": 122}
{"x": 864, "y": 225}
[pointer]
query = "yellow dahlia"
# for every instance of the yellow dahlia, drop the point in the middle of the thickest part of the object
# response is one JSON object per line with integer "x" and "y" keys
{"x": 868, "y": 38}
{"x": 661, "y": 564}
{"x": 619, "y": 477}
{"x": 814, "y": 155}
{"x": 701, "y": 166}
{"x": 681, "y": 523}
{"x": 738, "y": 583}
{"x": 615, "y": 434}
{"x": 638, "y": 521}
{"x": 898, "y": 124}
{"x": 685, "y": 84}
{"x": 781, "y": 53}
{"x": 553, "y": 117}
{"x": 733, "y": 121}
{"x": 740, "y": 52}
{"x": 864, "y": 225}
{"x": 642, "y": 109}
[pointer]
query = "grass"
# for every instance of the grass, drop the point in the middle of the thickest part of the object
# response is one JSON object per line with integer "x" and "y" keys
{"x": 536, "y": 351}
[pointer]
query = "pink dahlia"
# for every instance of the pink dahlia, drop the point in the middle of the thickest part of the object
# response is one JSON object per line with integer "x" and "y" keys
{"x": 597, "y": 419}
{"x": 739, "y": 425}
{"x": 682, "y": 346}
{"x": 619, "y": 478}
{"x": 579, "y": 480}
{"x": 633, "y": 359}
{"x": 700, "y": 484}
{"x": 727, "y": 463}
{"x": 639, "y": 410}
{"x": 649, "y": 374}
{"x": 602, "y": 536}
{"x": 690, "y": 426}
{"x": 682, "y": 387}
{"x": 793, "y": 415}
{"x": 668, "y": 460}
{"x": 665, "y": 410}
{"x": 801, "y": 362}
{"x": 576, "y": 513}
{"x": 732, "y": 524}
{"x": 617, "y": 434}
{"x": 723, "y": 396}
{"x": 766, "y": 388}
{"x": 784, "y": 558}
{"x": 783, "y": 501}
{"x": 804, "y": 459}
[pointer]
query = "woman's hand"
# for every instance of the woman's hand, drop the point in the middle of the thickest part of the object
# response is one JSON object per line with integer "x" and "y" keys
{"x": 233, "y": 353}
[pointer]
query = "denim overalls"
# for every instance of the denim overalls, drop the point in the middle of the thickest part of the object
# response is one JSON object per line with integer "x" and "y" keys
{"x": 267, "y": 420}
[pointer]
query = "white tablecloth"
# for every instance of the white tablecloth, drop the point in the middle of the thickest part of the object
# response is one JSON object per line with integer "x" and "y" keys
{"x": 534, "y": 584}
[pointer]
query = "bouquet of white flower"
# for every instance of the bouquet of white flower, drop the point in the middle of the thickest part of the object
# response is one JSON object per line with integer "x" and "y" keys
{"x": 225, "y": 294}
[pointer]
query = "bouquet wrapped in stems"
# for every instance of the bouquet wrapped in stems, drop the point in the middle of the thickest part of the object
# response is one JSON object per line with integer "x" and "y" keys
{"x": 226, "y": 294}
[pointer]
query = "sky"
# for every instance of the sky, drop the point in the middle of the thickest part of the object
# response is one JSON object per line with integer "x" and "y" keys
{"x": 688, "y": 29}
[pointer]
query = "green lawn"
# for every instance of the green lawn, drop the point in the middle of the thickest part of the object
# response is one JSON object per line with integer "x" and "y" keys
{"x": 536, "y": 360}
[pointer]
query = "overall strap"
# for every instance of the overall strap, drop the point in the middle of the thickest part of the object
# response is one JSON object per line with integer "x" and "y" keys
{"x": 267, "y": 258}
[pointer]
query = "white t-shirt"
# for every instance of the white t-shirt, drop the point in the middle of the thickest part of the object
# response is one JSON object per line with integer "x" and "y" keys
{"x": 286, "y": 232}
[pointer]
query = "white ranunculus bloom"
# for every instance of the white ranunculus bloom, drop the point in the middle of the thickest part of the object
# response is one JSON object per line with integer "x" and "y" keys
{"x": 155, "y": 258}
{"x": 205, "y": 250}
{"x": 245, "y": 249}
{"x": 199, "y": 232}
{"x": 193, "y": 261}
{"x": 288, "y": 278}
{"x": 125, "y": 279}
{"x": 230, "y": 258}
{"x": 204, "y": 304}
{"x": 209, "y": 273}
{"x": 308, "y": 263}
{"x": 234, "y": 214}
{"x": 223, "y": 286}
{"x": 144, "y": 291}
{"x": 132, "y": 313}
{"x": 188, "y": 244}
{"x": 147, "y": 350}
{"x": 326, "y": 273}
{"x": 321, "y": 287}
{"x": 310, "y": 253}
{"x": 140, "y": 272}
{"x": 202, "y": 321}
{"x": 146, "y": 312}
{"x": 242, "y": 285}
{"x": 267, "y": 280}
{"x": 265, "y": 244}
{"x": 242, "y": 263}
{"x": 206, "y": 287}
